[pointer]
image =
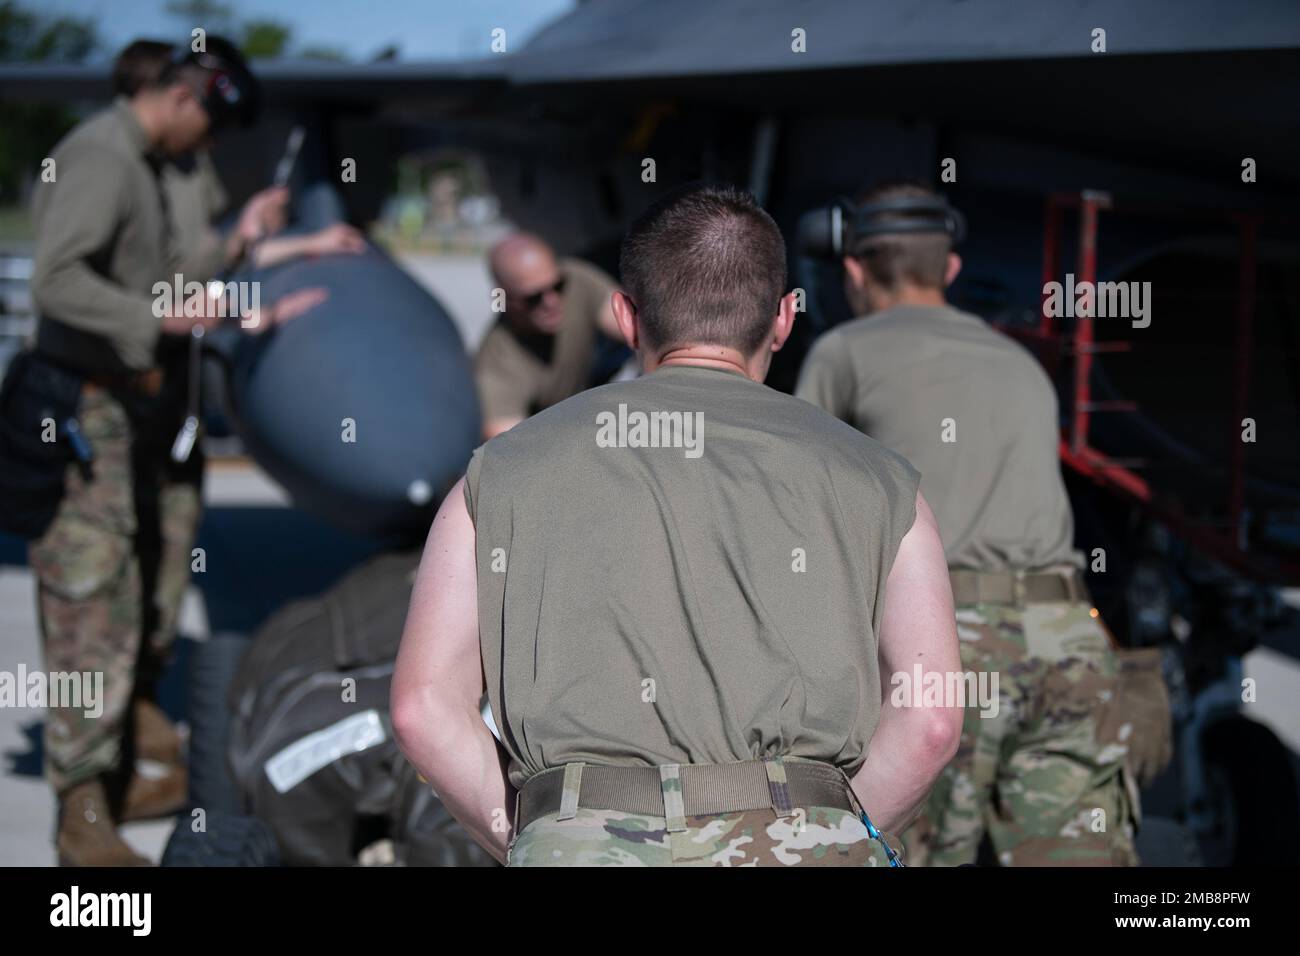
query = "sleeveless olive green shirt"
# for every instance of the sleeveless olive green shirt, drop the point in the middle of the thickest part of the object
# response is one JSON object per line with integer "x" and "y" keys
{"x": 685, "y": 568}
{"x": 969, "y": 407}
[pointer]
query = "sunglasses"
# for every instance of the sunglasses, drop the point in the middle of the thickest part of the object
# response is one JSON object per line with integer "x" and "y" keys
{"x": 535, "y": 299}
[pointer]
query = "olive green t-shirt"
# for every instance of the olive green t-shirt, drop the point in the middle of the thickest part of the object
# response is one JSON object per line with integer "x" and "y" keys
{"x": 102, "y": 240}
{"x": 970, "y": 408}
{"x": 713, "y": 599}
{"x": 195, "y": 198}
{"x": 516, "y": 379}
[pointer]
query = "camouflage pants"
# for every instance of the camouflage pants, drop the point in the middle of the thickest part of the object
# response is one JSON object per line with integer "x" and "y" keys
{"x": 111, "y": 571}
{"x": 788, "y": 836}
{"x": 1043, "y": 777}
{"x": 819, "y": 836}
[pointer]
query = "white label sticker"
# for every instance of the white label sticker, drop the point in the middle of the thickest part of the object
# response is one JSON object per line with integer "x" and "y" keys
{"x": 302, "y": 758}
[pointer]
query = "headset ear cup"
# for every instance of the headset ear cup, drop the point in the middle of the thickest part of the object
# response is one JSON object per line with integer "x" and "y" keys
{"x": 842, "y": 211}
{"x": 958, "y": 229}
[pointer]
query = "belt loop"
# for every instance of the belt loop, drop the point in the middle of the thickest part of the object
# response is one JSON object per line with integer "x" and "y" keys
{"x": 777, "y": 786}
{"x": 571, "y": 788}
{"x": 670, "y": 783}
{"x": 1018, "y": 587}
{"x": 1074, "y": 588}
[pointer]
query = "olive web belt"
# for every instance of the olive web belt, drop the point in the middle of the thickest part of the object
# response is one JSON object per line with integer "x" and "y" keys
{"x": 677, "y": 791}
{"x": 1015, "y": 587}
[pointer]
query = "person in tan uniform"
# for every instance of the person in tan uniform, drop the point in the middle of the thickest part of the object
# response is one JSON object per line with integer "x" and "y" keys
{"x": 1040, "y": 768}
{"x": 196, "y": 197}
{"x": 197, "y": 251}
{"x": 112, "y": 561}
{"x": 540, "y": 350}
{"x": 683, "y": 595}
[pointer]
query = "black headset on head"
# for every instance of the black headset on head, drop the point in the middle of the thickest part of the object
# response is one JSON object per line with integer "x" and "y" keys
{"x": 229, "y": 94}
{"x": 831, "y": 231}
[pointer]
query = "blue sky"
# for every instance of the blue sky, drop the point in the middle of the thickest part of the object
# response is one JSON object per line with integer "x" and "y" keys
{"x": 422, "y": 29}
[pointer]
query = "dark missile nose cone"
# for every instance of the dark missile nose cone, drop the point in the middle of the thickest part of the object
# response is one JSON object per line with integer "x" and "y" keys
{"x": 364, "y": 408}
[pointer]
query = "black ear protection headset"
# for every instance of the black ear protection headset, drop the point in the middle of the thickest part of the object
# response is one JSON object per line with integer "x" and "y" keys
{"x": 831, "y": 231}
{"x": 229, "y": 93}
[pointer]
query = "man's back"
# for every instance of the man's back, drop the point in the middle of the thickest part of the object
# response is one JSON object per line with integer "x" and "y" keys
{"x": 972, "y": 410}
{"x": 680, "y": 594}
{"x": 975, "y": 412}
{"x": 712, "y": 601}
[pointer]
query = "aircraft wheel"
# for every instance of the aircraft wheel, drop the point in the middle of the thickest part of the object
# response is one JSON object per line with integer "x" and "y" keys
{"x": 1253, "y": 789}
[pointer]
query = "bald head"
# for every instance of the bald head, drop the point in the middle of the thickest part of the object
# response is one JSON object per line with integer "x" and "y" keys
{"x": 517, "y": 256}
{"x": 525, "y": 267}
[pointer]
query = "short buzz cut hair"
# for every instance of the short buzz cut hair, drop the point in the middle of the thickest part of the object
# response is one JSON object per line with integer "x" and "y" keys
{"x": 142, "y": 63}
{"x": 920, "y": 258}
{"x": 704, "y": 265}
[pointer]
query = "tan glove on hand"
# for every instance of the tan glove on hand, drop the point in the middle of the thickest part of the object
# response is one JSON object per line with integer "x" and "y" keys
{"x": 1143, "y": 703}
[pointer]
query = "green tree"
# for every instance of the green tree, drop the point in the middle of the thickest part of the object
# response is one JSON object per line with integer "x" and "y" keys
{"x": 265, "y": 39}
{"x": 260, "y": 39}
{"x": 32, "y": 129}
{"x": 212, "y": 15}
{"x": 33, "y": 38}
{"x": 332, "y": 54}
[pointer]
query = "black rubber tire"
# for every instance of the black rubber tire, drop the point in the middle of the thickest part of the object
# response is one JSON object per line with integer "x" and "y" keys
{"x": 227, "y": 840}
{"x": 1257, "y": 768}
{"x": 1164, "y": 842}
{"x": 213, "y": 666}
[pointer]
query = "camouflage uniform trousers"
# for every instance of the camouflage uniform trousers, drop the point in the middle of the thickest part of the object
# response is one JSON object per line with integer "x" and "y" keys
{"x": 1044, "y": 776}
{"x": 797, "y": 836}
{"x": 820, "y": 836}
{"x": 124, "y": 534}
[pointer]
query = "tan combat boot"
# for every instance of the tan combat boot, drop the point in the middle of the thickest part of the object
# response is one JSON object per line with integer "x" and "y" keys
{"x": 149, "y": 797}
{"x": 156, "y": 737}
{"x": 87, "y": 834}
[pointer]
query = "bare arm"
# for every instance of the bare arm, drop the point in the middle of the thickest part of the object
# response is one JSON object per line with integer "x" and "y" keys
{"x": 912, "y": 744}
{"x": 277, "y": 249}
{"x": 179, "y": 321}
{"x": 438, "y": 684}
{"x": 336, "y": 239}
